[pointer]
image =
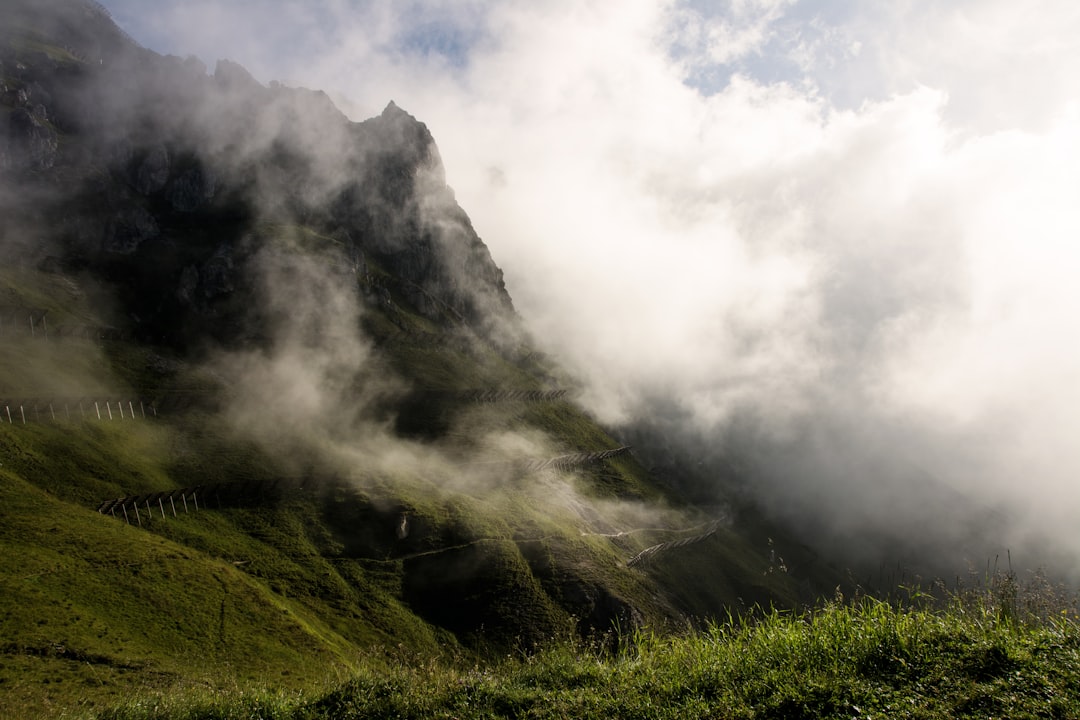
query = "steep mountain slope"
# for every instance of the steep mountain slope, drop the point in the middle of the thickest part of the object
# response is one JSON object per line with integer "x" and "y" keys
{"x": 265, "y": 407}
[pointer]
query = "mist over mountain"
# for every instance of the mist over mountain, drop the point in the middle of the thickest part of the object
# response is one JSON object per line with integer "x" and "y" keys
{"x": 158, "y": 147}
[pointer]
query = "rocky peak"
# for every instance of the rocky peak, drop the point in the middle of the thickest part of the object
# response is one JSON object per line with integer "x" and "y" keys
{"x": 396, "y": 131}
{"x": 175, "y": 164}
{"x": 235, "y": 77}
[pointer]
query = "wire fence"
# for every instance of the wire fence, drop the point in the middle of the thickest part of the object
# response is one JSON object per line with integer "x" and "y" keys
{"x": 16, "y": 410}
{"x": 140, "y": 508}
{"x": 34, "y": 322}
{"x": 650, "y": 553}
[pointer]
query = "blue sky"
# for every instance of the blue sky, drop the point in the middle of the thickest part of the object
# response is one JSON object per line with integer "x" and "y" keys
{"x": 799, "y": 210}
{"x": 772, "y": 32}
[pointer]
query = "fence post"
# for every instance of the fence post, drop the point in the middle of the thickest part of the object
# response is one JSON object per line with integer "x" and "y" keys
{"x": 98, "y": 408}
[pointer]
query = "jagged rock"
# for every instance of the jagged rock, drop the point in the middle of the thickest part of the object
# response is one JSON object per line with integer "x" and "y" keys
{"x": 315, "y": 103}
{"x": 83, "y": 235}
{"x": 411, "y": 224}
{"x": 31, "y": 143}
{"x": 218, "y": 273}
{"x": 233, "y": 76}
{"x": 177, "y": 142}
{"x": 37, "y": 94}
{"x": 189, "y": 281}
{"x": 195, "y": 66}
{"x": 193, "y": 189}
{"x": 129, "y": 229}
{"x": 119, "y": 157}
{"x": 153, "y": 172}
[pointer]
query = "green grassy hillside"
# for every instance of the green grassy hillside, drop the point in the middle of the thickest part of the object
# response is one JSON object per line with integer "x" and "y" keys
{"x": 310, "y": 575}
{"x": 975, "y": 657}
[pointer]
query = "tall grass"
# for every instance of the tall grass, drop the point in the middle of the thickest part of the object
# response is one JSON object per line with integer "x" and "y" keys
{"x": 980, "y": 654}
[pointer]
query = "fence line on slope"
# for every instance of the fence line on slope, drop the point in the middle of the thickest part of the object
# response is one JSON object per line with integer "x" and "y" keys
{"x": 249, "y": 490}
{"x": 483, "y": 397}
{"x": 651, "y": 552}
{"x": 63, "y": 408}
{"x": 25, "y": 409}
{"x": 27, "y": 321}
{"x": 16, "y": 409}
{"x": 230, "y": 492}
{"x": 567, "y": 462}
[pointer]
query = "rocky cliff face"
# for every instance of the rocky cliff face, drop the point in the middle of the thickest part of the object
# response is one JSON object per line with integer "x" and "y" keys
{"x": 167, "y": 181}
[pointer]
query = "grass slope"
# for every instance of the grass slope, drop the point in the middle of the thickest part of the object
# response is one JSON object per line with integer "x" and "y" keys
{"x": 219, "y": 598}
{"x": 867, "y": 659}
{"x": 311, "y": 584}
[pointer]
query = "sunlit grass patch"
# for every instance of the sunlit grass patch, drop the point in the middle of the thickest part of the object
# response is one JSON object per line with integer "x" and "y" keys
{"x": 865, "y": 658}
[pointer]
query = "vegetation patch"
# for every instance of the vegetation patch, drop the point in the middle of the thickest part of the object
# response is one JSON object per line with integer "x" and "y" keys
{"x": 864, "y": 659}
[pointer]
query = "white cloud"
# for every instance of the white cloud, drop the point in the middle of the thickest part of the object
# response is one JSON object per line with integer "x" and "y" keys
{"x": 743, "y": 30}
{"x": 1004, "y": 64}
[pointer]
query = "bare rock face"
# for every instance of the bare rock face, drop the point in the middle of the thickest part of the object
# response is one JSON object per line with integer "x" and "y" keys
{"x": 151, "y": 147}
{"x": 189, "y": 281}
{"x": 218, "y": 274}
{"x": 31, "y": 143}
{"x": 153, "y": 171}
{"x": 131, "y": 227}
{"x": 408, "y": 220}
{"x": 192, "y": 189}
{"x": 234, "y": 76}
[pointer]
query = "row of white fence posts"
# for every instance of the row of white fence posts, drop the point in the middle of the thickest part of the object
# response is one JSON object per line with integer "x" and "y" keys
{"x": 82, "y": 411}
{"x": 161, "y": 506}
{"x": 44, "y": 325}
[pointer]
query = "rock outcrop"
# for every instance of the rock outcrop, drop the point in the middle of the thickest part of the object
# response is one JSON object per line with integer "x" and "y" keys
{"x": 167, "y": 165}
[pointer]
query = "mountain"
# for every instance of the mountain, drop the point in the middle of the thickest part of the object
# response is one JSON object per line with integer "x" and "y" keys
{"x": 266, "y": 407}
